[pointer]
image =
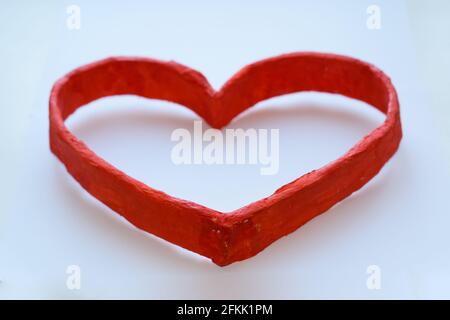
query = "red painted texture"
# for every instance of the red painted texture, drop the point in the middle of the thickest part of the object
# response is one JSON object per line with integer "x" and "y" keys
{"x": 235, "y": 236}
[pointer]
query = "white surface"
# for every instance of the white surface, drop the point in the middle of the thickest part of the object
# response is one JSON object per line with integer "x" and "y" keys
{"x": 430, "y": 27}
{"x": 398, "y": 221}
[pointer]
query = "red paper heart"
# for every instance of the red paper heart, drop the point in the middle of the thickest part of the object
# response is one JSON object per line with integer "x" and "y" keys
{"x": 225, "y": 238}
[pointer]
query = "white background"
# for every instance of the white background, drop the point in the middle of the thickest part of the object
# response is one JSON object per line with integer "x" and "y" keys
{"x": 399, "y": 221}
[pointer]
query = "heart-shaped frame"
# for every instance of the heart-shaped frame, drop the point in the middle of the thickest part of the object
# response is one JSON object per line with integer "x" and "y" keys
{"x": 225, "y": 238}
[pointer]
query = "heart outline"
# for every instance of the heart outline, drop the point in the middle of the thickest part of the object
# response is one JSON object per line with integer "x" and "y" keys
{"x": 242, "y": 233}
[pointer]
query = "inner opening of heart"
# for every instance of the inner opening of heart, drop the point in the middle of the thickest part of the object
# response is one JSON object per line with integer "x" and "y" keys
{"x": 136, "y": 135}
